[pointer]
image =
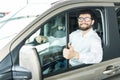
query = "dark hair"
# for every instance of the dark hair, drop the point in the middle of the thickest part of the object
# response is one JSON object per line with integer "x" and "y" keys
{"x": 87, "y": 11}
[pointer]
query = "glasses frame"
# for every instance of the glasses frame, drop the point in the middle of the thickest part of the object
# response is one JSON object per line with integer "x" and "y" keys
{"x": 86, "y": 19}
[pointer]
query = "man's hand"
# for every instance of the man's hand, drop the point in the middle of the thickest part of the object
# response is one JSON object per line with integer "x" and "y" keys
{"x": 70, "y": 53}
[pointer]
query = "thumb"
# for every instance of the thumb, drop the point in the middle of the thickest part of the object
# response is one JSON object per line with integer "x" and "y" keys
{"x": 69, "y": 45}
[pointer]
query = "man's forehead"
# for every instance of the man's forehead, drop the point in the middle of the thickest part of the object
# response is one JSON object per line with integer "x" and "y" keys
{"x": 88, "y": 15}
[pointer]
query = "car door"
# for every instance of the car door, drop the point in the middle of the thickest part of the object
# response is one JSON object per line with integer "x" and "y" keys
{"x": 110, "y": 65}
{"x": 46, "y": 38}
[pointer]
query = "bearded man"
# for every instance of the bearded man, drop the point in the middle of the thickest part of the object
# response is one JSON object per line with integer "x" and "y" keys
{"x": 85, "y": 45}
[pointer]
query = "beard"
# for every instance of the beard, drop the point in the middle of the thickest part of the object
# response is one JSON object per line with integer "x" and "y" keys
{"x": 85, "y": 28}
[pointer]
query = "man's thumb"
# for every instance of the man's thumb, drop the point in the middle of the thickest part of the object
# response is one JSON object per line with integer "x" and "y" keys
{"x": 69, "y": 45}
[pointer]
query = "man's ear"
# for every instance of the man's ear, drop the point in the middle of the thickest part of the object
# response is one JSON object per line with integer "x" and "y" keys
{"x": 93, "y": 22}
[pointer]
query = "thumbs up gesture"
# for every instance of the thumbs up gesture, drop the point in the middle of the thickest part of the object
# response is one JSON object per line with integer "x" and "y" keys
{"x": 70, "y": 53}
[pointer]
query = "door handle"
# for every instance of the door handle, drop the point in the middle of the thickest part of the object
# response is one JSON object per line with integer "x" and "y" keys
{"x": 110, "y": 70}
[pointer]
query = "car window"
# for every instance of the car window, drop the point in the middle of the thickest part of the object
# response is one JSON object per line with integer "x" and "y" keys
{"x": 49, "y": 41}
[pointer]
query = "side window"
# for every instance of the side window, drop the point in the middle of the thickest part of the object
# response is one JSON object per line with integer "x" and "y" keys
{"x": 49, "y": 41}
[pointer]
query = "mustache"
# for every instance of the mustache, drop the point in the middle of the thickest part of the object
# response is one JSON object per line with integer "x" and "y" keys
{"x": 85, "y": 28}
{"x": 84, "y": 24}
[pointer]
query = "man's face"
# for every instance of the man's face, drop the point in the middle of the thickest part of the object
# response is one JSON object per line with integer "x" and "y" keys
{"x": 85, "y": 22}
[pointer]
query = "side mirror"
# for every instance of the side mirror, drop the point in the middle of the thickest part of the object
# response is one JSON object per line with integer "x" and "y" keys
{"x": 29, "y": 59}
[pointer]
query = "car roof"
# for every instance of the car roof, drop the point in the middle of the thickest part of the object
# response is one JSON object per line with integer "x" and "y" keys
{"x": 64, "y": 1}
{"x": 92, "y": 0}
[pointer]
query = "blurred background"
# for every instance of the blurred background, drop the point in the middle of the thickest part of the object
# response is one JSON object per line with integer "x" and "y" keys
{"x": 7, "y": 6}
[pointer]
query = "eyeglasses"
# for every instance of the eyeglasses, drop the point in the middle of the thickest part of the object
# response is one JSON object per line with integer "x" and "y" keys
{"x": 80, "y": 19}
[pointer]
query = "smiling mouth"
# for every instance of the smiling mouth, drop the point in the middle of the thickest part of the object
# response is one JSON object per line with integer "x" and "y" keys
{"x": 84, "y": 25}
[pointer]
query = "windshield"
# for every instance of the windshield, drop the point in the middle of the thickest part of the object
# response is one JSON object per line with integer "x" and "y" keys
{"x": 15, "y": 22}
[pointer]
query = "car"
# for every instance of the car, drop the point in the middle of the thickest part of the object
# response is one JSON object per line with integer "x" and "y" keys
{"x": 33, "y": 50}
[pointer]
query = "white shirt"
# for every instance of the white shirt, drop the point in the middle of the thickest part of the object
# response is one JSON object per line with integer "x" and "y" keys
{"x": 88, "y": 46}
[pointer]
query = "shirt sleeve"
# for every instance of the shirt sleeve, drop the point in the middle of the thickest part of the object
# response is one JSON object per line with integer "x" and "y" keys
{"x": 95, "y": 54}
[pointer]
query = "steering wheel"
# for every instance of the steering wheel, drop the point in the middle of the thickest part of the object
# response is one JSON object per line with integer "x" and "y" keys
{"x": 54, "y": 65}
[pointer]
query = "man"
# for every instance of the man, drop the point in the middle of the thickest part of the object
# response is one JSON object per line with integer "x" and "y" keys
{"x": 85, "y": 45}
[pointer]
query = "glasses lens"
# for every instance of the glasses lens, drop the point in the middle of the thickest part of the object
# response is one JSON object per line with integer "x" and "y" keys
{"x": 85, "y": 19}
{"x": 80, "y": 19}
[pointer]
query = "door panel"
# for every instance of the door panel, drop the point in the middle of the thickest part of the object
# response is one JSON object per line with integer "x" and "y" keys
{"x": 93, "y": 72}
